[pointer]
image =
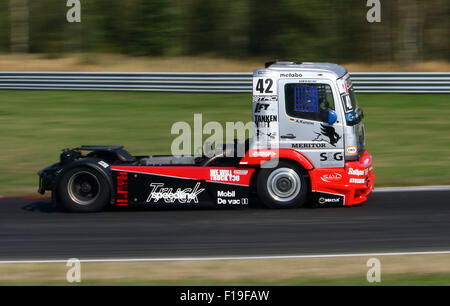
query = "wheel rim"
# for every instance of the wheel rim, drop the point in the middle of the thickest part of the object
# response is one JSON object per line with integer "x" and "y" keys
{"x": 83, "y": 188}
{"x": 283, "y": 184}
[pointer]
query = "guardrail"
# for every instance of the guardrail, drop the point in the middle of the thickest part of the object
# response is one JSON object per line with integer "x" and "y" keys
{"x": 365, "y": 82}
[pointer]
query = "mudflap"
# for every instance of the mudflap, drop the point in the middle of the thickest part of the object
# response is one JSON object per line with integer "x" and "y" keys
{"x": 144, "y": 189}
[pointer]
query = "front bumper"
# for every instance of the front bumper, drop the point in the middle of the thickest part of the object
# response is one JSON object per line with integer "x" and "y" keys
{"x": 354, "y": 182}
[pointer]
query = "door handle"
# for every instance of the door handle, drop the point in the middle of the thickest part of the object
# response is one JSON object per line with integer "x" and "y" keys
{"x": 288, "y": 136}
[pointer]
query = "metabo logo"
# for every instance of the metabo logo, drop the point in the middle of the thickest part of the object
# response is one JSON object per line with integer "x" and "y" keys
{"x": 186, "y": 195}
{"x": 290, "y": 75}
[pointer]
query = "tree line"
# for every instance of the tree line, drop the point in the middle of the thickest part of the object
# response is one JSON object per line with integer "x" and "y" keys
{"x": 325, "y": 30}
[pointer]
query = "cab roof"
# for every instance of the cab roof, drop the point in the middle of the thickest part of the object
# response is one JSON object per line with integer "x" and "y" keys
{"x": 340, "y": 71}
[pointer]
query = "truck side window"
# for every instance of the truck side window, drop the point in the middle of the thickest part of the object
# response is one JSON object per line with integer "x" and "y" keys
{"x": 309, "y": 101}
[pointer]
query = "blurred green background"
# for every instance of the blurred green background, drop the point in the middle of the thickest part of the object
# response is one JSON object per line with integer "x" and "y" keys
{"x": 326, "y": 30}
{"x": 408, "y": 135}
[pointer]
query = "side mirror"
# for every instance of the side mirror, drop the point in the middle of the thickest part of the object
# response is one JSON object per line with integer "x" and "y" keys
{"x": 332, "y": 117}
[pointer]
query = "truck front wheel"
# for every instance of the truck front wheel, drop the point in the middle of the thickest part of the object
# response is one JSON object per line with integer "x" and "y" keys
{"x": 284, "y": 186}
{"x": 83, "y": 189}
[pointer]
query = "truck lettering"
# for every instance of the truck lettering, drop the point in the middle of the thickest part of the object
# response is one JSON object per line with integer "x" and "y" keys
{"x": 308, "y": 145}
{"x": 223, "y": 175}
{"x": 261, "y": 106}
{"x": 266, "y": 118}
{"x": 186, "y": 195}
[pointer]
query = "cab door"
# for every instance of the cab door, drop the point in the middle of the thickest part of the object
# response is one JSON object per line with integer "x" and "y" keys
{"x": 305, "y": 110}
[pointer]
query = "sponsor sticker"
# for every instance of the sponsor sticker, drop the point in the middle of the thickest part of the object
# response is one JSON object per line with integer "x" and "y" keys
{"x": 186, "y": 195}
{"x": 356, "y": 172}
{"x": 308, "y": 145}
{"x": 261, "y": 107}
{"x": 357, "y": 180}
{"x": 263, "y": 154}
{"x": 331, "y": 156}
{"x": 327, "y": 199}
{"x": 223, "y": 175}
{"x": 265, "y": 98}
{"x": 266, "y": 118}
{"x": 243, "y": 201}
{"x": 229, "y": 197}
{"x": 333, "y": 177}
{"x": 351, "y": 150}
{"x": 240, "y": 172}
{"x": 323, "y": 200}
{"x": 103, "y": 164}
{"x": 290, "y": 75}
{"x": 226, "y": 194}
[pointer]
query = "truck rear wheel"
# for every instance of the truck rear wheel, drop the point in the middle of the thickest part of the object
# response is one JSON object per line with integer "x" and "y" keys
{"x": 284, "y": 186}
{"x": 83, "y": 189}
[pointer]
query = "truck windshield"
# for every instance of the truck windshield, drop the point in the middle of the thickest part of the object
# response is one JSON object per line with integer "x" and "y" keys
{"x": 353, "y": 113}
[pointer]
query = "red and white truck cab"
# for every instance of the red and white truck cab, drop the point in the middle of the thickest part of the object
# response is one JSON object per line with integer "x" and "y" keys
{"x": 309, "y": 113}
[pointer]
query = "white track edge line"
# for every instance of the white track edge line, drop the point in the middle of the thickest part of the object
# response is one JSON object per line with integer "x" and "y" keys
{"x": 228, "y": 258}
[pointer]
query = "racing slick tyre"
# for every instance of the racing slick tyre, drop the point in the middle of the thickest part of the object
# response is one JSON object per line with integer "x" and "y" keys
{"x": 83, "y": 189}
{"x": 284, "y": 186}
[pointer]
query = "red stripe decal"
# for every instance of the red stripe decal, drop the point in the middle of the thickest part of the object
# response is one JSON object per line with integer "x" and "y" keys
{"x": 230, "y": 175}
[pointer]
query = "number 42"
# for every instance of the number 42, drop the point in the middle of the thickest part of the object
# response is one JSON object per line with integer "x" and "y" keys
{"x": 260, "y": 86}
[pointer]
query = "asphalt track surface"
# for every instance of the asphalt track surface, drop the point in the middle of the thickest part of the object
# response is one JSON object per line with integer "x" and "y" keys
{"x": 387, "y": 222}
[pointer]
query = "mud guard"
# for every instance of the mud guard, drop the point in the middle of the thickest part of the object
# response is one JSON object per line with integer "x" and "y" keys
{"x": 99, "y": 165}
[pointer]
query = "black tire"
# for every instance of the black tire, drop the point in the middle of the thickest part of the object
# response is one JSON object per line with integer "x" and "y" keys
{"x": 284, "y": 186}
{"x": 83, "y": 189}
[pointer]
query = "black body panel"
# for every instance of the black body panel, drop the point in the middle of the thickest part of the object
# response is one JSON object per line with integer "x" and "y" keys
{"x": 157, "y": 190}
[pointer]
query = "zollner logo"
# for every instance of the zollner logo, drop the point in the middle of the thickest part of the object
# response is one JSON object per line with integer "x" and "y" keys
{"x": 186, "y": 195}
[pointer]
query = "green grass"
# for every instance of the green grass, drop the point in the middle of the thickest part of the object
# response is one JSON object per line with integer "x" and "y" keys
{"x": 408, "y": 135}
{"x": 432, "y": 279}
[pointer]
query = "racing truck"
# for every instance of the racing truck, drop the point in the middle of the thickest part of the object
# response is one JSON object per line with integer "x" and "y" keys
{"x": 307, "y": 149}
